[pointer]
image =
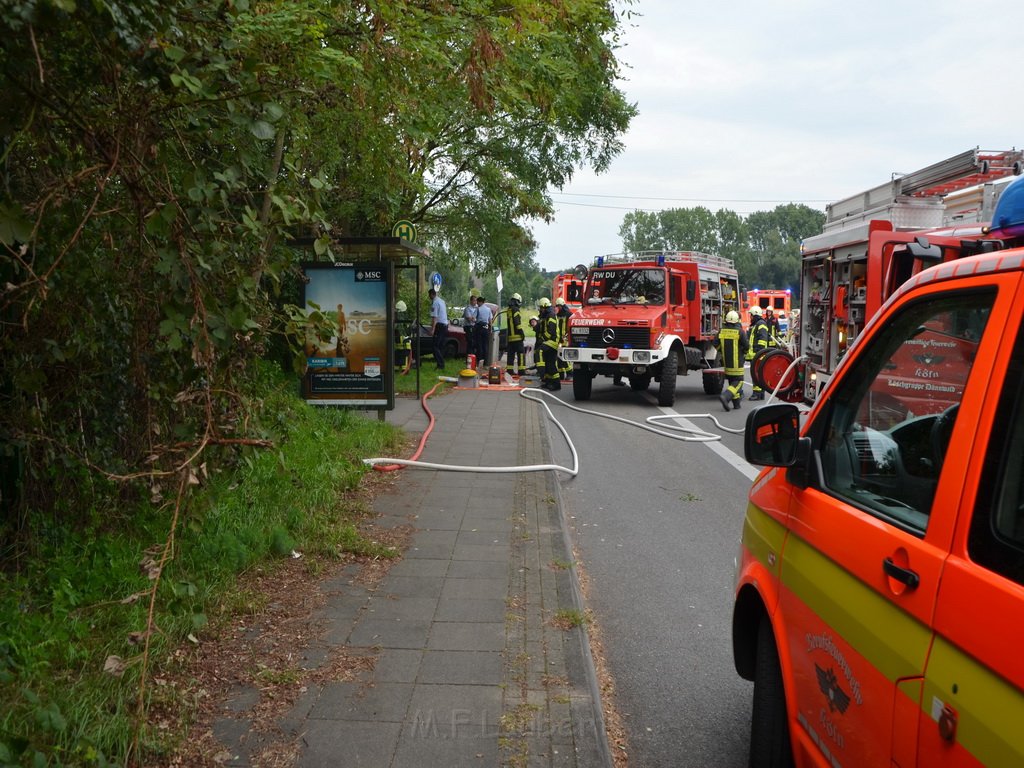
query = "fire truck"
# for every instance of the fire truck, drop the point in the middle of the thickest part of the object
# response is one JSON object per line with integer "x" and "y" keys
{"x": 776, "y": 300}
{"x": 569, "y": 286}
{"x": 651, "y": 316}
{"x": 871, "y": 244}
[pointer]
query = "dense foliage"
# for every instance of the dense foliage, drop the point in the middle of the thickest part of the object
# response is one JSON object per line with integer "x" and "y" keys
{"x": 157, "y": 155}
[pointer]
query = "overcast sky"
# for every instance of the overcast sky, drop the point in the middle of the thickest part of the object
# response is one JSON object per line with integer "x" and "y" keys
{"x": 747, "y": 105}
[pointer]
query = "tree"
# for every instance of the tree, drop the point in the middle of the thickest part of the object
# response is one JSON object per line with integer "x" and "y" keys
{"x": 159, "y": 154}
{"x": 765, "y": 247}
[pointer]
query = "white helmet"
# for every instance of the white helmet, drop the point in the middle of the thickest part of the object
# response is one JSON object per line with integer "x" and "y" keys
{"x": 756, "y": 312}
{"x": 544, "y": 302}
{"x": 400, "y": 306}
{"x": 516, "y": 297}
{"x": 732, "y": 316}
{"x": 795, "y": 314}
{"x": 559, "y": 301}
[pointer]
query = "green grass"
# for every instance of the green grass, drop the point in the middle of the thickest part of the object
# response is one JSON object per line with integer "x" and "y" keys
{"x": 69, "y": 606}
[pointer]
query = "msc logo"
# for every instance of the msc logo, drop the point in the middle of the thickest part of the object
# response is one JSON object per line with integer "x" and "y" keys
{"x": 365, "y": 275}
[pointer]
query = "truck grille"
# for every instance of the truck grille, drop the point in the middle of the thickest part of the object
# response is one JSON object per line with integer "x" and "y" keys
{"x": 626, "y": 338}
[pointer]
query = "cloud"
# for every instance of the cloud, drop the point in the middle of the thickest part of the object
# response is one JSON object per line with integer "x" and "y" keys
{"x": 796, "y": 100}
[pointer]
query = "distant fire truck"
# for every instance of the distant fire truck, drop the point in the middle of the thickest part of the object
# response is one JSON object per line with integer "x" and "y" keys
{"x": 651, "y": 317}
{"x": 569, "y": 286}
{"x": 776, "y": 300}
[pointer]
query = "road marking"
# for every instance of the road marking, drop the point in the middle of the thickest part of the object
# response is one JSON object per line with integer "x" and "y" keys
{"x": 731, "y": 458}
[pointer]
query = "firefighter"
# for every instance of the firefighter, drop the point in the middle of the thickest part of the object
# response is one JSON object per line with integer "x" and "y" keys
{"x": 759, "y": 338}
{"x": 563, "y": 313}
{"x": 516, "y": 346}
{"x": 731, "y": 343}
{"x": 547, "y": 340}
{"x": 774, "y": 328}
{"x": 538, "y": 360}
{"x": 403, "y": 341}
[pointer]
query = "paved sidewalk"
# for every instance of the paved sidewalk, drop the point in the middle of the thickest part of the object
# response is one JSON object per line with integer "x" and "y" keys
{"x": 470, "y": 669}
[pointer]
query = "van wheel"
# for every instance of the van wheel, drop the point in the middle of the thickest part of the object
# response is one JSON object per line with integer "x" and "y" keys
{"x": 582, "y": 383}
{"x": 667, "y": 390}
{"x": 769, "y": 729}
{"x": 451, "y": 348}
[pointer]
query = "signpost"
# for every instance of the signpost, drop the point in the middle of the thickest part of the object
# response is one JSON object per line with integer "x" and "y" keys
{"x": 404, "y": 229}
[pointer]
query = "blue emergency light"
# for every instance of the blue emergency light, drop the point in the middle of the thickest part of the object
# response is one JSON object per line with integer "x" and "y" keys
{"x": 1008, "y": 220}
{"x": 600, "y": 261}
{"x": 661, "y": 259}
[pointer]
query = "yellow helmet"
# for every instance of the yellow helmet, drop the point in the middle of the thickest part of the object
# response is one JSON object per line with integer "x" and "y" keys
{"x": 756, "y": 311}
{"x": 544, "y": 302}
{"x": 516, "y": 297}
{"x": 559, "y": 301}
{"x": 732, "y": 316}
{"x": 400, "y": 306}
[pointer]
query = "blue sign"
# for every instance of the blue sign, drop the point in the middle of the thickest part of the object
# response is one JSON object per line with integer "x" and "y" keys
{"x": 435, "y": 280}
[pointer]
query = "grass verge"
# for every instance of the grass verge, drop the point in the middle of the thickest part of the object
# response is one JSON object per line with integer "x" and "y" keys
{"x": 73, "y": 616}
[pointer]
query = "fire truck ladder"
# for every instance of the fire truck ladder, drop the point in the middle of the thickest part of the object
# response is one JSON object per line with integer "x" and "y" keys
{"x": 968, "y": 169}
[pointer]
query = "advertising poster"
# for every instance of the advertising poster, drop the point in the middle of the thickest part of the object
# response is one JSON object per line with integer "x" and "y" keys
{"x": 349, "y": 367}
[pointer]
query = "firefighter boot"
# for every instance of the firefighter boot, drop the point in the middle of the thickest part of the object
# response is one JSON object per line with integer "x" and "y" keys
{"x": 726, "y": 399}
{"x": 758, "y": 395}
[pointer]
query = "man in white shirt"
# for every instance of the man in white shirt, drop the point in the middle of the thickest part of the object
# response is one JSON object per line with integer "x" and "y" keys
{"x": 439, "y": 318}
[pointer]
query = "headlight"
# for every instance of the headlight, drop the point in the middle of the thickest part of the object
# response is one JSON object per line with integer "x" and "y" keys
{"x": 571, "y": 354}
{"x": 641, "y": 356}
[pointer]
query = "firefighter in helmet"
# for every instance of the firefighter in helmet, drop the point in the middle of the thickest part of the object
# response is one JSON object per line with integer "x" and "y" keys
{"x": 563, "y": 313}
{"x": 547, "y": 340}
{"x": 760, "y": 338}
{"x": 731, "y": 343}
{"x": 516, "y": 346}
{"x": 774, "y": 327}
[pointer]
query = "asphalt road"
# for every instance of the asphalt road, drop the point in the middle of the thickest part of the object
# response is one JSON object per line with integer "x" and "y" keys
{"x": 656, "y": 524}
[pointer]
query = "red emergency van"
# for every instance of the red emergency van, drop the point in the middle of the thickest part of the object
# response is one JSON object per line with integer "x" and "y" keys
{"x": 879, "y": 601}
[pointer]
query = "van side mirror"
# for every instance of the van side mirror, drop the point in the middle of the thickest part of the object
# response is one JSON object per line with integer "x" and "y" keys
{"x": 772, "y": 435}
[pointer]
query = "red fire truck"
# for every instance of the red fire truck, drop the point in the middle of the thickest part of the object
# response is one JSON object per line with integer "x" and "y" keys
{"x": 651, "y": 317}
{"x": 871, "y": 244}
{"x": 776, "y": 300}
{"x": 569, "y": 286}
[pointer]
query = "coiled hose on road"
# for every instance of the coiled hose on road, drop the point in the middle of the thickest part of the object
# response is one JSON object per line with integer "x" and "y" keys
{"x": 671, "y": 431}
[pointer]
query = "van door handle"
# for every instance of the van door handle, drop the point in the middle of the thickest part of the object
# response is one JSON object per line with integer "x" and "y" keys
{"x": 903, "y": 575}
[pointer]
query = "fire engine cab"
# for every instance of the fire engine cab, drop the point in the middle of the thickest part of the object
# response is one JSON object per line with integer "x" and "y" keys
{"x": 778, "y": 301}
{"x": 651, "y": 317}
{"x": 569, "y": 287}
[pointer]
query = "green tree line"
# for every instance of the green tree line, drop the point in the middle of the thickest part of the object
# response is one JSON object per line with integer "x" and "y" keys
{"x": 765, "y": 245}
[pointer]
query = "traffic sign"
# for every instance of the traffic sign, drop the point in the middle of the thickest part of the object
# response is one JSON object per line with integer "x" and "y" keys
{"x": 435, "y": 280}
{"x": 404, "y": 229}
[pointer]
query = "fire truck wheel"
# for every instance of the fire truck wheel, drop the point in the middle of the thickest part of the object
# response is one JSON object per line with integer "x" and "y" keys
{"x": 640, "y": 383}
{"x": 769, "y": 730}
{"x": 713, "y": 383}
{"x": 667, "y": 390}
{"x": 582, "y": 383}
